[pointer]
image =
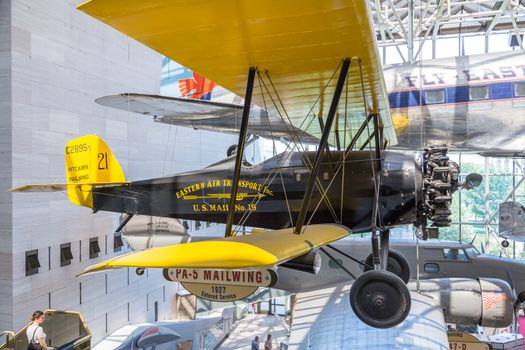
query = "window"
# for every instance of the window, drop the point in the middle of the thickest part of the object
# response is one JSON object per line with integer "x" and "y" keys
{"x": 514, "y": 42}
{"x": 478, "y": 92}
{"x": 435, "y": 96}
{"x": 117, "y": 242}
{"x": 32, "y": 263}
{"x": 94, "y": 248}
{"x": 519, "y": 89}
{"x": 431, "y": 268}
{"x": 454, "y": 254}
{"x": 197, "y": 225}
{"x": 65, "y": 254}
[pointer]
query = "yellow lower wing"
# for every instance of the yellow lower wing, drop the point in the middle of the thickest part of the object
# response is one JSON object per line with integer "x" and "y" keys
{"x": 257, "y": 250}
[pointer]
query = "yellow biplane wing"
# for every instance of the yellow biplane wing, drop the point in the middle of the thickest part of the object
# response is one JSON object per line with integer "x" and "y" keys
{"x": 300, "y": 43}
{"x": 264, "y": 249}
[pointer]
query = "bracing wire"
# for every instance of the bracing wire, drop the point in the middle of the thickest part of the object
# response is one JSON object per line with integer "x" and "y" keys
{"x": 308, "y": 164}
{"x": 275, "y": 151}
{"x": 271, "y": 176}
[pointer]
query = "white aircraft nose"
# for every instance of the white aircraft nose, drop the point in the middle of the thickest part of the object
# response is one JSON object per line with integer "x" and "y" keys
{"x": 156, "y": 335}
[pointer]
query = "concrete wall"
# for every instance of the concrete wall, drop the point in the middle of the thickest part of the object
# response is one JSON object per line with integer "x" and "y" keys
{"x": 61, "y": 60}
{"x": 6, "y": 242}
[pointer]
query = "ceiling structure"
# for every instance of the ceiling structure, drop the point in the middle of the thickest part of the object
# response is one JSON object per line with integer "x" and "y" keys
{"x": 412, "y": 23}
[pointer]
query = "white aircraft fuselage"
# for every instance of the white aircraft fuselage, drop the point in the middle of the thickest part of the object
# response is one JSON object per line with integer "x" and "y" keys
{"x": 471, "y": 103}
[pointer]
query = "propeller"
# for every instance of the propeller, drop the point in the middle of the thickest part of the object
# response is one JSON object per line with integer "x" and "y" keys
{"x": 472, "y": 180}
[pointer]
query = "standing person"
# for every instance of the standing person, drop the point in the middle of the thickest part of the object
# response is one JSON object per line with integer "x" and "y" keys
{"x": 268, "y": 342}
{"x": 255, "y": 343}
{"x": 36, "y": 337}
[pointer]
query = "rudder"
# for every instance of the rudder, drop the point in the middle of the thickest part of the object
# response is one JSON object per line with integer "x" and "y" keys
{"x": 89, "y": 161}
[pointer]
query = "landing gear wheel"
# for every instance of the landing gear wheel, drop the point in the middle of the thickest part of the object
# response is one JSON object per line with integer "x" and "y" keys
{"x": 140, "y": 271}
{"x": 521, "y": 297}
{"x": 380, "y": 299}
{"x": 505, "y": 244}
{"x": 397, "y": 264}
{"x": 231, "y": 150}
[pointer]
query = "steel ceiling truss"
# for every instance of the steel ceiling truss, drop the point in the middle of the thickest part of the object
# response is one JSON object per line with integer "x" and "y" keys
{"x": 412, "y": 23}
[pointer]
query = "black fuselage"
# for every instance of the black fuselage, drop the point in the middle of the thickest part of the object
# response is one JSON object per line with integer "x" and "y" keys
{"x": 270, "y": 194}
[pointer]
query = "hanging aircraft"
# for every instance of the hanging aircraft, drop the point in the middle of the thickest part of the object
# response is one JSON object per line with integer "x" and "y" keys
{"x": 472, "y": 287}
{"x": 511, "y": 222}
{"x": 457, "y": 101}
{"x": 436, "y": 258}
{"x": 163, "y": 335}
{"x": 305, "y": 199}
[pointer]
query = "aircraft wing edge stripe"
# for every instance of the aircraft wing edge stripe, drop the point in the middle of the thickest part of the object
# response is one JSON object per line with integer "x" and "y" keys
{"x": 101, "y": 100}
{"x": 58, "y": 187}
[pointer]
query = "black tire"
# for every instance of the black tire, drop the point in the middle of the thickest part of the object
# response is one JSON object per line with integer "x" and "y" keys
{"x": 397, "y": 264}
{"x": 505, "y": 244}
{"x": 140, "y": 271}
{"x": 231, "y": 150}
{"x": 380, "y": 299}
{"x": 521, "y": 297}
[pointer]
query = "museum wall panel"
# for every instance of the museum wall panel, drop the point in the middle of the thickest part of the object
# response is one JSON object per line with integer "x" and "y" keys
{"x": 54, "y": 62}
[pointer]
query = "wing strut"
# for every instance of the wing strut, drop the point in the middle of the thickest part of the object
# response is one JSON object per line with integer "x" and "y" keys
{"x": 240, "y": 151}
{"x": 124, "y": 223}
{"x": 322, "y": 145}
{"x": 378, "y": 142}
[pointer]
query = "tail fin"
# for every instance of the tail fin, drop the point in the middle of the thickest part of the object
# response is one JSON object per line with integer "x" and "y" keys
{"x": 187, "y": 86}
{"x": 89, "y": 162}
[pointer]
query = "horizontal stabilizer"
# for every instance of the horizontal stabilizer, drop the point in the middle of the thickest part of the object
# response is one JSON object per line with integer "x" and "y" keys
{"x": 89, "y": 164}
{"x": 205, "y": 115}
{"x": 60, "y": 187}
{"x": 249, "y": 251}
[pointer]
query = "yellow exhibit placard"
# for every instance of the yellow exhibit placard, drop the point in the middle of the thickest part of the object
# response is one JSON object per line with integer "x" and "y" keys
{"x": 465, "y": 341}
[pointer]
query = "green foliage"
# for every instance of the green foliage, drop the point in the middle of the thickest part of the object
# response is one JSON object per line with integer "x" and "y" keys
{"x": 474, "y": 200}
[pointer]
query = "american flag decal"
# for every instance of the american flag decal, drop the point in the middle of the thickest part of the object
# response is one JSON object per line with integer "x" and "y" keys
{"x": 492, "y": 298}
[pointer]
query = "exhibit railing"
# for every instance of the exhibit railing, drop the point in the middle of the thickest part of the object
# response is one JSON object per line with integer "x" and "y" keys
{"x": 65, "y": 330}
